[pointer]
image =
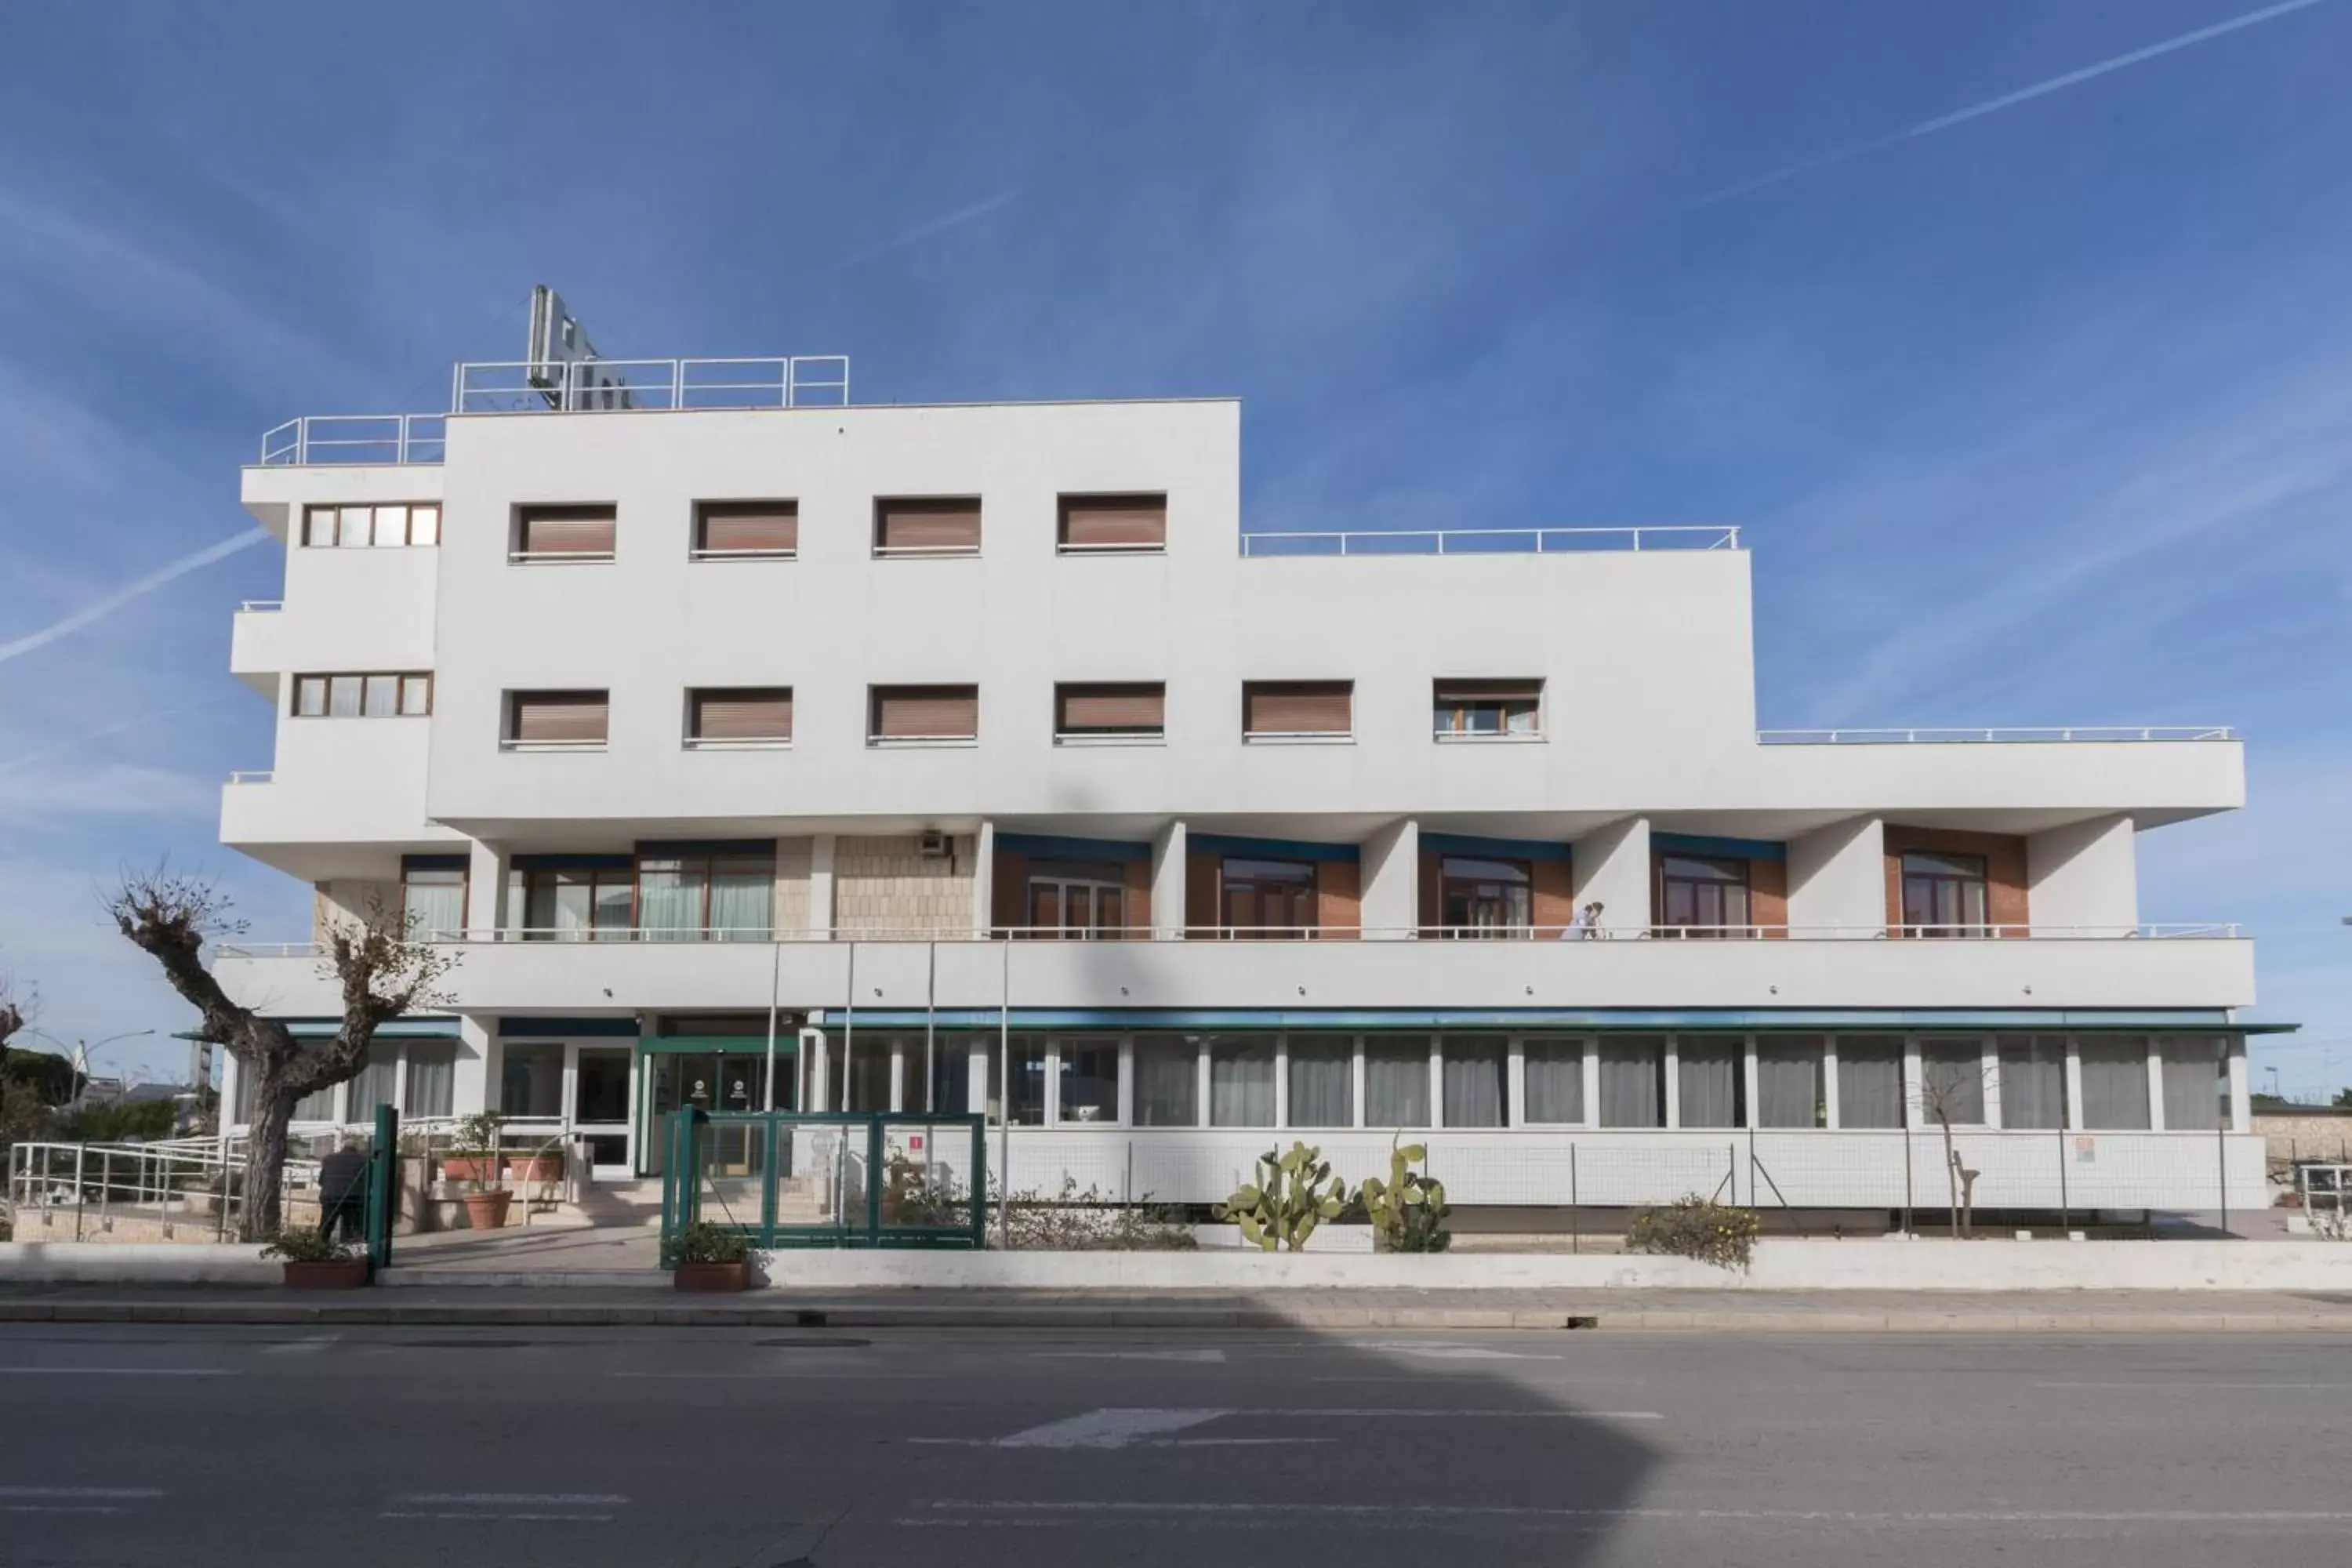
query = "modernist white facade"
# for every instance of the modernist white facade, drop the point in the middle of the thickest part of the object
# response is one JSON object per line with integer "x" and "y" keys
{"x": 785, "y": 815}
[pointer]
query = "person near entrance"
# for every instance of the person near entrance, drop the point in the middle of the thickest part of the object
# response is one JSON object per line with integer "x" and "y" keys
{"x": 342, "y": 1190}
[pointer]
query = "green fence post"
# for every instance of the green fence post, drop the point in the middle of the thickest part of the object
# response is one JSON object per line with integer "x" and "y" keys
{"x": 772, "y": 1127}
{"x": 874, "y": 1181}
{"x": 383, "y": 1188}
{"x": 979, "y": 1181}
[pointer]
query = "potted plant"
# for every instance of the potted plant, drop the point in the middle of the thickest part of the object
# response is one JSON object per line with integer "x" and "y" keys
{"x": 707, "y": 1258}
{"x": 316, "y": 1260}
{"x": 474, "y": 1146}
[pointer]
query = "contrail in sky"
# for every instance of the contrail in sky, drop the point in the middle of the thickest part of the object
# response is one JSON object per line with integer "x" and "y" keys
{"x": 141, "y": 722}
{"x": 1995, "y": 105}
{"x": 956, "y": 219}
{"x": 99, "y": 609}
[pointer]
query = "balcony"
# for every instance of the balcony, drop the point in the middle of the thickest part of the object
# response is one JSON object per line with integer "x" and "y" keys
{"x": 1849, "y": 970}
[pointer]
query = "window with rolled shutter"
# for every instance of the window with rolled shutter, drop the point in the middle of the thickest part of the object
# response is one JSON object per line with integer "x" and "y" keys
{"x": 561, "y": 532}
{"x": 741, "y": 714}
{"x": 1272, "y": 709}
{"x": 1128, "y": 709}
{"x": 556, "y": 718}
{"x": 927, "y": 525}
{"x": 1137, "y": 522}
{"x": 746, "y": 528}
{"x": 903, "y": 713}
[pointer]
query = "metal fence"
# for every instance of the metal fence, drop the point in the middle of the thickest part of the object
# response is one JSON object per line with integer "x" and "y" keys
{"x": 839, "y": 1179}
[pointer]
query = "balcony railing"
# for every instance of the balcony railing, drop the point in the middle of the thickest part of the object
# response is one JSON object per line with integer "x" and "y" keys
{"x": 1493, "y": 540}
{"x": 355, "y": 439}
{"x": 613, "y": 385}
{"x": 2027, "y": 735}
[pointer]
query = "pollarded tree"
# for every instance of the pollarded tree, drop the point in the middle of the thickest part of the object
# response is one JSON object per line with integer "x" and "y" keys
{"x": 382, "y": 970}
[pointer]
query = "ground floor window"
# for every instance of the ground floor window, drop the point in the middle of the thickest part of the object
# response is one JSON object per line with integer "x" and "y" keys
{"x": 1870, "y": 1081}
{"x": 2114, "y": 1082}
{"x": 1632, "y": 1081}
{"x": 2032, "y": 1081}
{"x": 1790, "y": 1081}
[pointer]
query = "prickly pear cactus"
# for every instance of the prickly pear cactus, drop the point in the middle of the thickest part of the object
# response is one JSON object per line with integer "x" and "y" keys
{"x": 1408, "y": 1211}
{"x": 1294, "y": 1193}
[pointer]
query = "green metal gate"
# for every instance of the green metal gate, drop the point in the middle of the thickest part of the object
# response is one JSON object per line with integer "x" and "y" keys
{"x": 827, "y": 1179}
{"x": 382, "y": 1188}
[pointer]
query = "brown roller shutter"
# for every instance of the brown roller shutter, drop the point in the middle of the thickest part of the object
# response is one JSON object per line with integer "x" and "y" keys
{"x": 1114, "y": 522}
{"x": 926, "y": 523}
{"x": 1298, "y": 707}
{"x": 1135, "y": 708}
{"x": 564, "y": 529}
{"x": 743, "y": 713}
{"x": 925, "y": 712}
{"x": 747, "y": 527}
{"x": 556, "y": 716}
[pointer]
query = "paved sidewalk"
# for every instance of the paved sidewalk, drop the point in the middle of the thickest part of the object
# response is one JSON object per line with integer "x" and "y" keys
{"x": 1645, "y": 1311}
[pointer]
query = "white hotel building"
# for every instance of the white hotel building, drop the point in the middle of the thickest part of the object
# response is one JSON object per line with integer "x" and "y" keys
{"x": 828, "y": 756}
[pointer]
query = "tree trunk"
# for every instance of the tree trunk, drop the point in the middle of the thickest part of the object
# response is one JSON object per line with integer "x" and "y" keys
{"x": 264, "y": 1156}
{"x": 1951, "y": 1172}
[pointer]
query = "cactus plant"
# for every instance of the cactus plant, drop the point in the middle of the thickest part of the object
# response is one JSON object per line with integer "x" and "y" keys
{"x": 1408, "y": 1211}
{"x": 1294, "y": 1193}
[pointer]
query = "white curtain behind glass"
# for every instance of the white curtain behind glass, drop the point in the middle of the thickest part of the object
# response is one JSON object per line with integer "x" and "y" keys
{"x": 1240, "y": 1083}
{"x": 1396, "y": 1081}
{"x": 1320, "y": 1082}
{"x": 1707, "y": 1082}
{"x": 1555, "y": 1080}
{"x": 1632, "y": 1081}
{"x": 1870, "y": 1083}
{"x": 2115, "y": 1083}
{"x": 743, "y": 900}
{"x": 373, "y": 1086}
{"x": 669, "y": 903}
{"x": 432, "y": 1078}
{"x": 1789, "y": 1081}
{"x": 1951, "y": 1080}
{"x": 2033, "y": 1081}
{"x": 2193, "y": 1082}
{"x": 1166, "y": 1083}
{"x": 1474, "y": 1074}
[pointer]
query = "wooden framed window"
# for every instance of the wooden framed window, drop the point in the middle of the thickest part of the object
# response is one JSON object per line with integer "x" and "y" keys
{"x": 1486, "y": 709}
{"x": 1272, "y": 898}
{"x": 1129, "y": 710}
{"x": 1703, "y": 896}
{"x": 927, "y": 525}
{"x": 1113, "y": 523}
{"x": 748, "y": 530}
{"x": 920, "y": 715}
{"x": 1297, "y": 709}
{"x": 1486, "y": 898}
{"x": 739, "y": 716}
{"x": 563, "y": 533}
{"x": 374, "y": 526}
{"x": 553, "y": 718}
{"x": 1944, "y": 894}
{"x": 1075, "y": 900}
{"x": 396, "y": 694}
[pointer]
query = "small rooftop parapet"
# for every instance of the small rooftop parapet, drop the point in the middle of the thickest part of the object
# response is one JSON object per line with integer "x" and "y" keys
{"x": 2027, "y": 735}
{"x": 1493, "y": 540}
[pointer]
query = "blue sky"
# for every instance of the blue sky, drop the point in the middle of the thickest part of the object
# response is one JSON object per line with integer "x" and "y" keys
{"x": 2037, "y": 418}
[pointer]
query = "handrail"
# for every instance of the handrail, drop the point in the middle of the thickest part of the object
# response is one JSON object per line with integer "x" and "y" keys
{"x": 1997, "y": 735}
{"x": 355, "y": 438}
{"x": 1501, "y": 540}
{"x": 252, "y": 776}
{"x": 642, "y": 386}
{"x": 261, "y": 606}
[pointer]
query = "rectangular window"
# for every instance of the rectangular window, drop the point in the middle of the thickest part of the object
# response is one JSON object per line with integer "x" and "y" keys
{"x": 1486, "y": 709}
{"x": 398, "y": 523}
{"x": 381, "y": 699}
{"x": 1708, "y": 1088}
{"x": 1951, "y": 1081}
{"x": 1266, "y": 897}
{"x": 746, "y": 529}
{"x": 1554, "y": 1072}
{"x": 556, "y": 718}
{"x": 1789, "y": 1081}
{"x": 1134, "y": 524}
{"x": 1702, "y": 896}
{"x": 706, "y": 897}
{"x": 1396, "y": 1081}
{"x": 738, "y": 716}
{"x": 378, "y": 1082}
{"x": 416, "y": 696}
{"x": 1132, "y": 711}
{"x": 1240, "y": 1081}
{"x": 1870, "y": 1081}
{"x": 927, "y": 525}
{"x": 1296, "y": 709}
{"x": 1475, "y": 1075}
{"x": 432, "y": 1077}
{"x": 344, "y": 693}
{"x": 1632, "y": 1081}
{"x": 1089, "y": 1082}
{"x": 1075, "y": 900}
{"x": 920, "y": 715}
{"x": 574, "y": 904}
{"x": 1028, "y": 1064}
{"x": 1322, "y": 1081}
{"x": 530, "y": 1079}
{"x": 2033, "y": 1081}
{"x": 433, "y": 901}
{"x": 2114, "y": 1082}
{"x": 1486, "y": 898}
{"x": 1167, "y": 1081}
{"x": 563, "y": 532}
{"x": 1943, "y": 894}
{"x": 2196, "y": 1082}
{"x": 309, "y": 697}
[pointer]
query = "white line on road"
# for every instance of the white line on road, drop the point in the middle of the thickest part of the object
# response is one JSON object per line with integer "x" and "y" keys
{"x": 2191, "y": 1388}
{"x": 518, "y": 1499}
{"x": 309, "y": 1347}
{"x": 1450, "y": 1352}
{"x": 1129, "y": 1355}
{"x": 60, "y": 1508}
{"x": 1114, "y": 1428}
{"x": 476, "y": 1516}
{"x": 82, "y": 1491}
{"x": 116, "y": 1372}
{"x": 977, "y": 1511}
{"x": 1465, "y": 1414}
{"x": 1121, "y": 1427}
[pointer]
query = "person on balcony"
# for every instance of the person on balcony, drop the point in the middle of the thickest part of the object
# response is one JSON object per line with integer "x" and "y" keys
{"x": 1583, "y": 923}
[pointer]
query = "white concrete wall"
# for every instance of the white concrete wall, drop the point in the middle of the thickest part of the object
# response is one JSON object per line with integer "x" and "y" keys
{"x": 1390, "y": 872}
{"x": 1612, "y": 864}
{"x": 1837, "y": 877}
{"x": 2085, "y": 874}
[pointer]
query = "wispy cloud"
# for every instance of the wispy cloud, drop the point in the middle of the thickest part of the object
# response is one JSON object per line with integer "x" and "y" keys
{"x": 921, "y": 232}
{"x": 1995, "y": 105}
{"x": 99, "y": 609}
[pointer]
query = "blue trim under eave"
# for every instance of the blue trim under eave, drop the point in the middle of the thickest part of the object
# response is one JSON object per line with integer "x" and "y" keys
{"x": 1723, "y": 849}
{"x": 1498, "y": 848}
{"x": 391, "y": 1029}
{"x": 1681, "y": 1018}
{"x": 1046, "y": 846}
{"x": 567, "y": 1028}
{"x": 1272, "y": 849}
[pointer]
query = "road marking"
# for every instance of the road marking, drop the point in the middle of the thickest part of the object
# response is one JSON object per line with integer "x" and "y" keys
{"x": 969, "y": 1512}
{"x": 1453, "y": 1352}
{"x": 82, "y": 1491}
{"x": 1129, "y": 1355}
{"x": 116, "y": 1372}
{"x": 2192, "y": 1388}
{"x": 477, "y": 1515}
{"x": 60, "y": 1508}
{"x": 518, "y": 1499}
{"x": 309, "y": 1347}
{"x": 1382, "y": 1414}
{"x": 1112, "y": 1428}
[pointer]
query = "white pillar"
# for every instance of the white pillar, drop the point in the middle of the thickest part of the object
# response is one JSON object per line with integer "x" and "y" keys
{"x": 1391, "y": 885}
{"x": 2073, "y": 1086}
{"x": 2083, "y": 876}
{"x": 2241, "y": 1106}
{"x": 1593, "y": 1080}
{"x": 2156, "y": 1083}
{"x": 1673, "y": 1110}
{"x": 1168, "y": 857}
{"x": 486, "y": 890}
{"x": 1837, "y": 879}
{"x": 1612, "y": 864}
{"x": 820, "y": 889}
{"x": 984, "y": 879}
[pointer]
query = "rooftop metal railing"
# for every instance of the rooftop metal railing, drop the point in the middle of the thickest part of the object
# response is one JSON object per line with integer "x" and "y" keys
{"x": 520, "y": 386}
{"x": 2027, "y": 735}
{"x": 1492, "y": 541}
{"x": 355, "y": 440}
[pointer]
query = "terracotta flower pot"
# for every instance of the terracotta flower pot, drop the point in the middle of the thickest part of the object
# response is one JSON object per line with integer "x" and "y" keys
{"x": 345, "y": 1274}
{"x": 531, "y": 1170}
{"x": 488, "y": 1211}
{"x": 702, "y": 1278}
{"x": 463, "y": 1168}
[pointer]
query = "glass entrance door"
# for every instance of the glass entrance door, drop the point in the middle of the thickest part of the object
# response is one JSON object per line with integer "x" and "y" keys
{"x": 600, "y": 1107}
{"x": 716, "y": 1080}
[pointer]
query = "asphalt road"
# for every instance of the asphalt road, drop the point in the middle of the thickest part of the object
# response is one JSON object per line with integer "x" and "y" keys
{"x": 722, "y": 1448}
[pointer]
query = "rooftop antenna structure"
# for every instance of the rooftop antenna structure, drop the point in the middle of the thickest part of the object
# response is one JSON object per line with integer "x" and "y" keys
{"x": 562, "y": 365}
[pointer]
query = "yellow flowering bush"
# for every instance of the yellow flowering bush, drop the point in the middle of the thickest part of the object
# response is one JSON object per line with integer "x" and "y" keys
{"x": 1694, "y": 1226}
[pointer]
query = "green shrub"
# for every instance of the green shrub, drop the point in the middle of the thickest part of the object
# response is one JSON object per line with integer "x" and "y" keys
{"x": 1083, "y": 1219}
{"x": 1294, "y": 1193}
{"x": 119, "y": 1121}
{"x": 1694, "y": 1226}
{"x": 1408, "y": 1211}
{"x": 306, "y": 1244}
{"x": 703, "y": 1242}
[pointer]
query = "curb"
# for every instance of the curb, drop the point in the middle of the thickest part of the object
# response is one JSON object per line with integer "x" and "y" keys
{"x": 765, "y": 1315}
